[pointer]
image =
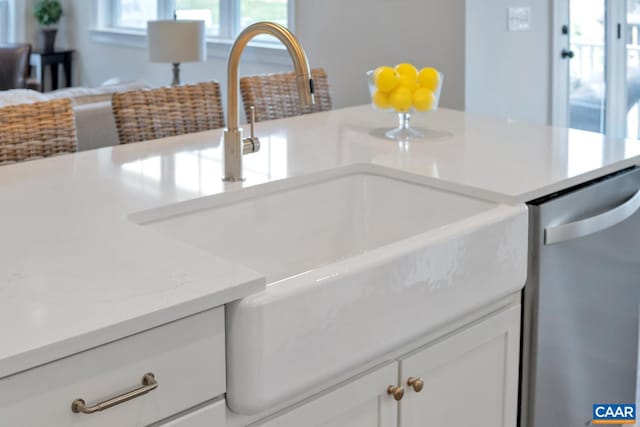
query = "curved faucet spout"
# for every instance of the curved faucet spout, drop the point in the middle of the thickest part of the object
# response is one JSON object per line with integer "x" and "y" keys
{"x": 233, "y": 133}
{"x": 300, "y": 64}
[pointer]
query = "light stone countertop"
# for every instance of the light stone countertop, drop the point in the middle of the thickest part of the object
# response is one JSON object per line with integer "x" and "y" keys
{"x": 75, "y": 272}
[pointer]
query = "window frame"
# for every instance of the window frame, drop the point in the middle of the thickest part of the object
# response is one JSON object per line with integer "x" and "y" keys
{"x": 4, "y": 21}
{"x": 230, "y": 17}
{"x": 257, "y": 51}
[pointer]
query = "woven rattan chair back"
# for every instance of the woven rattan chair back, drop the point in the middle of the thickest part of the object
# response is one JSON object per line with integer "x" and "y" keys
{"x": 146, "y": 114}
{"x": 275, "y": 96}
{"x": 34, "y": 131}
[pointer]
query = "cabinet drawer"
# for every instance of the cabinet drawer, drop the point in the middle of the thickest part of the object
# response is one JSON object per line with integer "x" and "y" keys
{"x": 187, "y": 358}
{"x": 213, "y": 415}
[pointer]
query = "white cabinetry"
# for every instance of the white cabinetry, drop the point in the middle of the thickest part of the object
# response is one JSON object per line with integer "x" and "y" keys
{"x": 469, "y": 377}
{"x": 186, "y": 357}
{"x": 212, "y": 415}
{"x": 362, "y": 402}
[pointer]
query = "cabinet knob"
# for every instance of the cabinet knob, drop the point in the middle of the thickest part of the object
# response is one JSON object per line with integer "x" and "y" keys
{"x": 396, "y": 391}
{"x": 416, "y": 383}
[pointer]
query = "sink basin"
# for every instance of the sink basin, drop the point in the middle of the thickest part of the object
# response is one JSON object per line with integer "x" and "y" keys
{"x": 358, "y": 261}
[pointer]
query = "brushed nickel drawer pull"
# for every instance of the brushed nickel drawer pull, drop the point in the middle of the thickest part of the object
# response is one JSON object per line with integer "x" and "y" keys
{"x": 149, "y": 383}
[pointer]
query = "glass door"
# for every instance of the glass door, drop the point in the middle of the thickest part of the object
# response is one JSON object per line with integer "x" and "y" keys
{"x": 587, "y": 66}
{"x": 633, "y": 69}
{"x": 597, "y": 66}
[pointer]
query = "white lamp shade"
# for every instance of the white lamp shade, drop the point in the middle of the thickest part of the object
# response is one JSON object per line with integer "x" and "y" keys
{"x": 176, "y": 41}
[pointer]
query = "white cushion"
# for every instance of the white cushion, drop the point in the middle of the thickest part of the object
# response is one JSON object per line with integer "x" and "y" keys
{"x": 21, "y": 96}
{"x": 95, "y": 125}
{"x": 84, "y": 95}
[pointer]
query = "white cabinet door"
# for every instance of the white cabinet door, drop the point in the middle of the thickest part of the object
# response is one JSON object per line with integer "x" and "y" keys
{"x": 362, "y": 402}
{"x": 470, "y": 378}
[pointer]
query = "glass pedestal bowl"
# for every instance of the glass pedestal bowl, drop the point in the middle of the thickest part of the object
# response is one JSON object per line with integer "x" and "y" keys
{"x": 405, "y": 131}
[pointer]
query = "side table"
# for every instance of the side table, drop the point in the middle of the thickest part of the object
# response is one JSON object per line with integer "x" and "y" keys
{"x": 41, "y": 60}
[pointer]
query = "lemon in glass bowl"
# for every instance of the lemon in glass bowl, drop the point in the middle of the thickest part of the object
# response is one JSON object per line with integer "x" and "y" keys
{"x": 404, "y": 89}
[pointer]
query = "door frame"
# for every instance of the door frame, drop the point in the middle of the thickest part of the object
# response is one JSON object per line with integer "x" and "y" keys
{"x": 615, "y": 67}
{"x": 616, "y": 115}
{"x": 560, "y": 66}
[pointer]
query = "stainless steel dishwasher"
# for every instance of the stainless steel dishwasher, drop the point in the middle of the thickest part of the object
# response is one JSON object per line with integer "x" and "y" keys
{"x": 581, "y": 302}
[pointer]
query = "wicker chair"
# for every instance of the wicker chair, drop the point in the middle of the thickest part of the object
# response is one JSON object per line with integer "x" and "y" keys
{"x": 275, "y": 96}
{"x": 146, "y": 114}
{"x": 33, "y": 131}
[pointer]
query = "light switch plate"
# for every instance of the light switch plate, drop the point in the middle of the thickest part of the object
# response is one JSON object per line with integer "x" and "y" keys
{"x": 519, "y": 19}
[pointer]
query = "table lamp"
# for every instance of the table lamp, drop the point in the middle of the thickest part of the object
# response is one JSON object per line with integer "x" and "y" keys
{"x": 176, "y": 41}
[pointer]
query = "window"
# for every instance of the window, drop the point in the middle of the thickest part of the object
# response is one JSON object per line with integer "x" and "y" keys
{"x": 134, "y": 13}
{"x": 204, "y": 10}
{"x": 224, "y": 18}
{"x": 4, "y": 21}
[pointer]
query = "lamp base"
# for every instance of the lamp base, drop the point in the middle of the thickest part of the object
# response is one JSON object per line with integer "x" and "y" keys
{"x": 176, "y": 74}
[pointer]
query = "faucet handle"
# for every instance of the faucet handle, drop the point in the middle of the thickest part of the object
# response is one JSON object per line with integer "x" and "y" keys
{"x": 252, "y": 119}
{"x": 251, "y": 144}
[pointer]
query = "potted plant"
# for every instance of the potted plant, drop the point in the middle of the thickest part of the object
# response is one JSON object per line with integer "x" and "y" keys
{"x": 48, "y": 13}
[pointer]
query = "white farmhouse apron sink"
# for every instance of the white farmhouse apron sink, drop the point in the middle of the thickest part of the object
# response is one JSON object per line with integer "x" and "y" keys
{"x": 358, "y": 260}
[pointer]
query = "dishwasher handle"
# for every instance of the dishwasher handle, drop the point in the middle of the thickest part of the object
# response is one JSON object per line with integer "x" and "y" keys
{"x": 587, "y": 226}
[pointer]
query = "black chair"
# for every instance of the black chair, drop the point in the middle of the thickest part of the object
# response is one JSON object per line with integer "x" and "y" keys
{"x": 15, "y": 70}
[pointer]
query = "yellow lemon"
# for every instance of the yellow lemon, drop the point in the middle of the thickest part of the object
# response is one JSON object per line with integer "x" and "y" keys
{"x": 405, "y": 69}
{"x": 410, "y": 82}
{"x": 429, "y": 78}
{"x": 401, "y": 99}
{"x": 378, "y": 70}
{"x": 386, "y": 79}
{"x": 424, "y": 99}
{"x": 381, "y": 100}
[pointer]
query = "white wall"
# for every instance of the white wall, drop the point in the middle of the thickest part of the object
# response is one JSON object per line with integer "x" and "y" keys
{"x": 349, "y": 37}
{"x": 346, "y": 37}
{"x": 508, "y": 73}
